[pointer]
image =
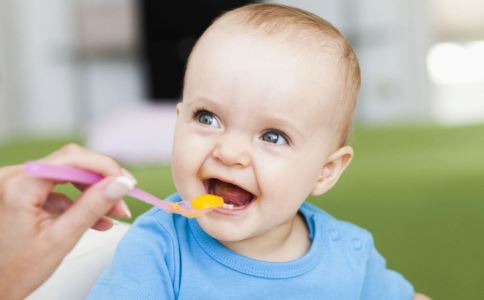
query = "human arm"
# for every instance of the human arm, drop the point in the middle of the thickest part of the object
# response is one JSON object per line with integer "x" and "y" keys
{"x": 39, "y": 227}
{"x": 420, "y": 297}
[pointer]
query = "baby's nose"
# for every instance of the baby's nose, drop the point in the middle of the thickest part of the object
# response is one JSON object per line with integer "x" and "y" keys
{"x": 232, "y": 150}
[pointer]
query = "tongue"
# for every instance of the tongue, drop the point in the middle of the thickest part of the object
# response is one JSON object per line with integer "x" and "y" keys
{"x": 232, "y": 194}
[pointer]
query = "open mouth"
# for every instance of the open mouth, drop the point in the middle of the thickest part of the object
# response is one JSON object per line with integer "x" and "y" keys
{"x": 235, "y": 196}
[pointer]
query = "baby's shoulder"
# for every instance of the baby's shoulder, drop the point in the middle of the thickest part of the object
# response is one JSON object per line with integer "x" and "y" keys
{"x": 349, "y": 235}
{"x": 157, "y": 222}
{"x": 155, "y": 231}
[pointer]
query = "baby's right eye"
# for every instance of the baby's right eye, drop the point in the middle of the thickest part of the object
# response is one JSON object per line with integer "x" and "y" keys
{"x": 207, "y": 118}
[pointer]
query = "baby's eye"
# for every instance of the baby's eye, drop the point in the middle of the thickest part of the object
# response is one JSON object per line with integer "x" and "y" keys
{"x": 275, "y": 137}
{"x": 207, "y": 118}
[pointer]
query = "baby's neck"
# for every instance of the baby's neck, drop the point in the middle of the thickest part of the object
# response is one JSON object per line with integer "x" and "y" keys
{"x": 288, "y": 241}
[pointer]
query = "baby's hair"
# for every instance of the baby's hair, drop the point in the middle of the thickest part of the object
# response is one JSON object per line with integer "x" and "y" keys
{"x": 308, "y": 29}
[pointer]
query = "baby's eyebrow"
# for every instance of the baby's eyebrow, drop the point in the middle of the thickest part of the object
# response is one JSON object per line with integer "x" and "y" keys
{"x": 197, "y": 100}
{"x": 205, "y": 102}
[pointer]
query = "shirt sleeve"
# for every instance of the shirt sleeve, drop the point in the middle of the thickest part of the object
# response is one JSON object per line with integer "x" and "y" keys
{"x": 382, "y": 283}
{"x": 142, "y": 267}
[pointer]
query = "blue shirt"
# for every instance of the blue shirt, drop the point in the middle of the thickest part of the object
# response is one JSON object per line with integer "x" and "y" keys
{"x": 167, "y": 256}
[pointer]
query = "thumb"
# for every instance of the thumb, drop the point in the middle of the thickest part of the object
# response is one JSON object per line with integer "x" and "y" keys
{"x": 93, "y": 204}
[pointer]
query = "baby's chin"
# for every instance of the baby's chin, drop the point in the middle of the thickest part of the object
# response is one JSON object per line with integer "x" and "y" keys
{"x": 222, "y": 231}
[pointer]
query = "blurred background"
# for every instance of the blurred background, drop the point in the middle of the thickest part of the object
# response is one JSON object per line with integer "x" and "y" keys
{"x": 108, "y": 73}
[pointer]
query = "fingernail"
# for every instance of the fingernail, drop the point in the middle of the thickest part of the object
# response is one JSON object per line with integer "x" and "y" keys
{"x": 127, "y": 173}
{"x": 119, "y": 187}
{"x": 126, "y": 210}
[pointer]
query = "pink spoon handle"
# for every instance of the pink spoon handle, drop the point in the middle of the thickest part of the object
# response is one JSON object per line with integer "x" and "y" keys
{"x": 150, "y": 199}
{"x": 61, "y": 173}
{"x": 77, "y": 175}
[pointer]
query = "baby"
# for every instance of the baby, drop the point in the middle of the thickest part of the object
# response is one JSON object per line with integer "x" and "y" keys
{"x": 268, "y": 99}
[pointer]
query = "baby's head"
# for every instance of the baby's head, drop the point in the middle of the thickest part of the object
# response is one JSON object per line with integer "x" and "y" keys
{"x": 267, "y": 105}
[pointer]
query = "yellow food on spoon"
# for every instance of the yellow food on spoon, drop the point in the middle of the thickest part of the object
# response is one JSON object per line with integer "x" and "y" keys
{"x": 207, "y": 201}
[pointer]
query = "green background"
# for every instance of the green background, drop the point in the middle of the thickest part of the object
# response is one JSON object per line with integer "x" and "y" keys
{"x": 419, "y": 190}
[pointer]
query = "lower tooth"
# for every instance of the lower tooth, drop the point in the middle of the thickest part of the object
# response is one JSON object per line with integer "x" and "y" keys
{"x": 229, "y": 206}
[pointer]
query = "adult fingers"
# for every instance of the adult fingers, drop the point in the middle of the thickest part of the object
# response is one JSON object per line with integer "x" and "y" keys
{"x": 119, "y": 210}
{"x": 19, "y": 190}
{"x": 57, "y": 203}
{"x": 82, "y": 187}
{"x": 77, "y": 156}
{"x": 7, "y": 171}
{"x": 103, "y": 224}
{"x": 88, "y": 209}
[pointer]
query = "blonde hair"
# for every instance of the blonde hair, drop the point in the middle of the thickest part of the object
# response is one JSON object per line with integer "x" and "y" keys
{"x": 292, "y": 22}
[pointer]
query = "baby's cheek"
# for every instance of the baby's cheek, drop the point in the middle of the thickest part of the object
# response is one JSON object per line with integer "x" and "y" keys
{"x": 293, "y": 186}
{"x": 279, "y": 185}
{"x": 189, "y": 154}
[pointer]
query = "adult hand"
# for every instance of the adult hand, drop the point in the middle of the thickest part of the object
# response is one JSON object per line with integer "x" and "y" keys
{"x": 39, "y": 227}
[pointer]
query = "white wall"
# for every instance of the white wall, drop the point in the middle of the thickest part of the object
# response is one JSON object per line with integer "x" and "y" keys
{"x": 459, "y": 104}
{"x": 391, "y": 39}
{"x": 46, "y": 93}
{"x": 47, "y": 85}
{"x": 7, "y": 96}
{"x": 108, "y": 72}
{"x": 395, "y": 37}
{"x": 110, "y": 84}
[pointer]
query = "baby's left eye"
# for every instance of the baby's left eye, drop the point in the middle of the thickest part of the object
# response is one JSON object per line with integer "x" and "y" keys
{"x": 275, "y": 137}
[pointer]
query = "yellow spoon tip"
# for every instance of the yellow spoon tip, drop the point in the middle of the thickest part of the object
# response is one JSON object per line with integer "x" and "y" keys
{"x": 207, "y": 201}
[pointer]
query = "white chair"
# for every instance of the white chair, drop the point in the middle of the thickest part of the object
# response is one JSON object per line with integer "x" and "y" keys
{"x": 81, "y": 267}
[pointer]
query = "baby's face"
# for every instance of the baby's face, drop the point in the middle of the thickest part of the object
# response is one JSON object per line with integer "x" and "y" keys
{"x": 254, "y": 128}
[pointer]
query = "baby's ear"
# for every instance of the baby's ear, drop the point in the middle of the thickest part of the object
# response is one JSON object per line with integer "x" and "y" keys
{"x": 332, "y": 170}
{"x": 178, "y": 108}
